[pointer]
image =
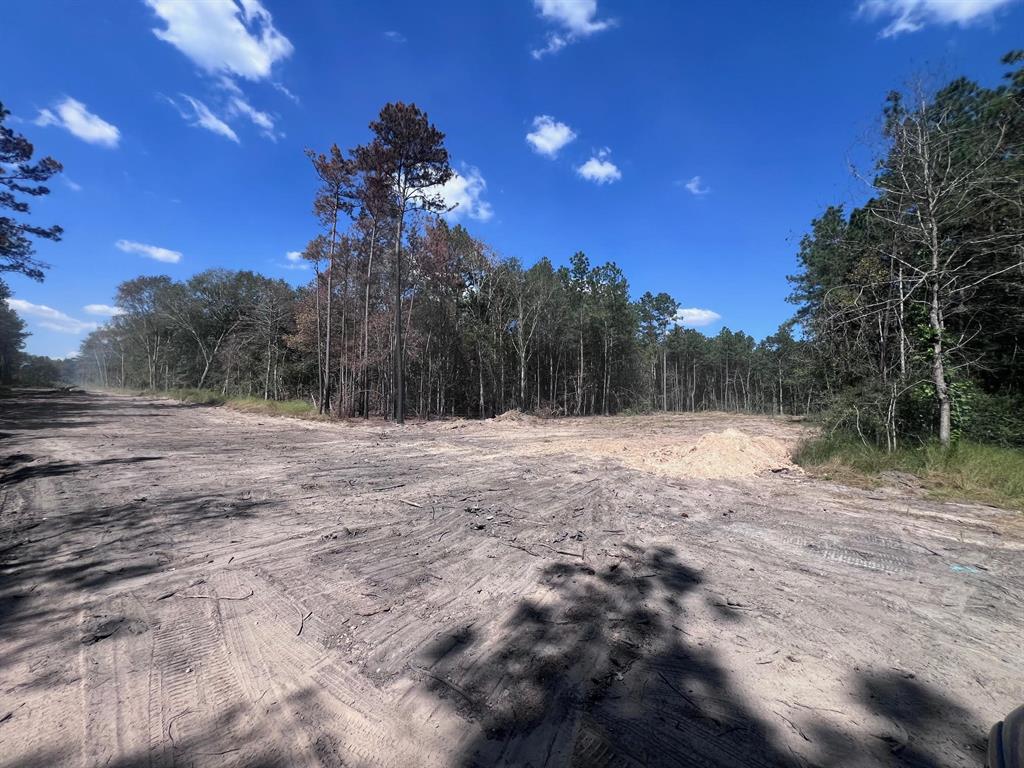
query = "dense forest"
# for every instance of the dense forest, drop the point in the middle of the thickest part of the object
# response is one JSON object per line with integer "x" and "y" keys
{"x": 909, "y": 308}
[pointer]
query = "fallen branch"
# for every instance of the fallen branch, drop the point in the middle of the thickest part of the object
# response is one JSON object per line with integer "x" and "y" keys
{"x": 444, "y": 682}
{"x": 678, "y": 693}
{"x": 216, "y": 597}
{"x": 561, "y": 551}
{"x": 411, "y": 503}
{"x": 303, "y": 623}
{"x": 524, "y": 549}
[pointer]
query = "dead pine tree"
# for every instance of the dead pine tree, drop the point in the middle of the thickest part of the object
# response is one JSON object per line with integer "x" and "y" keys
{"x": 410, "y": 154}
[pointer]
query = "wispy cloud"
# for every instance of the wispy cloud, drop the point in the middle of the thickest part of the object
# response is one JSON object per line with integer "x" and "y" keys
{"x": 223, "y": 36}
{"x": 226, "y": 39}
{"x": 106, "y": 310}
{"x": 905, "y": 16}
{"x": 575, "y": 19}
{"x": 694, "y": 317}
{"x": 73, "y": 116}
{"x": 198, "y": 115}
{"x": 282, "y": 89}
{"x": 696, "y": 187}
{"x": 263, "y": 121}
{"x": 50, "y": 318}
{"x": 549, "y": 135}
{"x": 154, "y": 252}
{"x": 599, "y": 169}
{"x": 465, "y": 192}
{"x": 74, "y": 186}
{"x": 394, "y": 36}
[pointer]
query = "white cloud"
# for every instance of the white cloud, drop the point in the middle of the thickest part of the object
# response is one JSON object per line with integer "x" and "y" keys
{"x": 912, "y": 15}
{"x": 263, "y": 121}
{"x": 549, "y": 135}
{"x": 696, "y": 187}
{"x": 695, "y": 317}
{"x": 464, "y": 191}
{"x": 202, "y": 117}
{"x": 394, "y": 36}
{"x": 599, "y": 169}
{"x": 74, "y": 186}
{"x": 102, "y": 309}
{"x": 295, "y": 261}
{"x": 575, "y": 18}
{"x": 223, "y": 36}
{"x": 50, "y": 318}
{"x": 149, "y": 251}
{"x": 73, "y": 117}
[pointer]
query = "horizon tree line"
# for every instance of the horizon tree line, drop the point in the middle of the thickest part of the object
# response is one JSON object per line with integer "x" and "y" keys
{"x": 909, "y": 321}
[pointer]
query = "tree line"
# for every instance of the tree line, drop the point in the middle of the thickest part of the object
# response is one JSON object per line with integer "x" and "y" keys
{"x": 912, "y": 304}
{"x": 481, "y": 335}
{"x": 908, "y": 328}
{"x": 405, "y": 312}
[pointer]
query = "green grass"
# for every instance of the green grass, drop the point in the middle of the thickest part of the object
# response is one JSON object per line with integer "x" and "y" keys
{"x": 968, "y": 471}
{"x": 300, "y": 408}
{"x": 191, "y": 396}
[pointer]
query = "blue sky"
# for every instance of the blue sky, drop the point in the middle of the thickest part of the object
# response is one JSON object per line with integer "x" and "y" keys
{"x": 691, "y": 143}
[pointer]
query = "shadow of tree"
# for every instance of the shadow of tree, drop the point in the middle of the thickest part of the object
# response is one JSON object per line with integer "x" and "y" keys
{"x": 56, "y": 468}
{"x": 595, "y": 671}
{"x": 928, "y": 728}
{"x": 242, "y": 735}
{"x": 45, "y": 561}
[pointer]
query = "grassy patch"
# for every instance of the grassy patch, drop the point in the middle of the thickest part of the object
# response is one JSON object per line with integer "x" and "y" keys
{"x": 192, "y": 396}
{"x": 300, "y": 408}
{"x": 296, "y": 408}
{"x": 968, "y": 471}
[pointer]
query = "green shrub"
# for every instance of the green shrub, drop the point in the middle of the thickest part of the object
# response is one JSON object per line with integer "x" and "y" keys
{"x": 968, "y": 470}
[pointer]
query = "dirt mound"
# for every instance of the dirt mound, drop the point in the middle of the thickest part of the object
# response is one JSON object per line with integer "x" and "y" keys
{"x": 515, "y": 417}
{"x": 714, "y": 455}
{"x": 732, "y": 453}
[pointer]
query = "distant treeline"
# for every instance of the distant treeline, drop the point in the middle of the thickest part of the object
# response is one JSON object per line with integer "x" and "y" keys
{"x": 482, "y": 335}
{"x": 909, "y": 325}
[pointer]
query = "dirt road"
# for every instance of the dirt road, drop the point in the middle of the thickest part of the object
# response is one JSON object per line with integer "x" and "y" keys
{"x": 187, "y": 586}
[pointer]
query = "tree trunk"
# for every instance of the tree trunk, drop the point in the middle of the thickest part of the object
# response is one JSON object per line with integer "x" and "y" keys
{"x": 366, "y": 325}
{"x": 399, "y": 386}
{"x": 938, "y": 367}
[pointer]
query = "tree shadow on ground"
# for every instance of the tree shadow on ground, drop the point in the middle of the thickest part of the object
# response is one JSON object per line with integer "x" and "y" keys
{"x": 928, "y": 728}
{"x": 596, "y": 671}
{"x": 68, "y": 559}
{"x": 55, "y": 468}
{"x": 601, "y": 669}
{"x": 30, "y": 410}
{"x": 240, "y": 734}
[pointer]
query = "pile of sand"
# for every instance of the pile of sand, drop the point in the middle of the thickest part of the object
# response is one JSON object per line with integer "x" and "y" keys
{"x": 515, "y": 417}
{"x": 731, "y": 453}
{"x": 714, "y": 455}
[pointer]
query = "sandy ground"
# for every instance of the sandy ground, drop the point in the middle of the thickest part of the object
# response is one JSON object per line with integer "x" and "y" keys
{"x": 187, "y": 586}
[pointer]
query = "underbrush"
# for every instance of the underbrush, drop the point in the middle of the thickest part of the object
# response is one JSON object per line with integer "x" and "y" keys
{"x": 970, "y": 471}
{"x": 192, "y": 396}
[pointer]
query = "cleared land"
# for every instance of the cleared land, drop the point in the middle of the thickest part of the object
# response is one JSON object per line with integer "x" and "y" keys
{"x": 191, "y": 586}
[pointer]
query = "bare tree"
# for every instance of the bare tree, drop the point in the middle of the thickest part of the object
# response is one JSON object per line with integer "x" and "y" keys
{"x": 941, "y": 175}
{"x": 333, "y": 198}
